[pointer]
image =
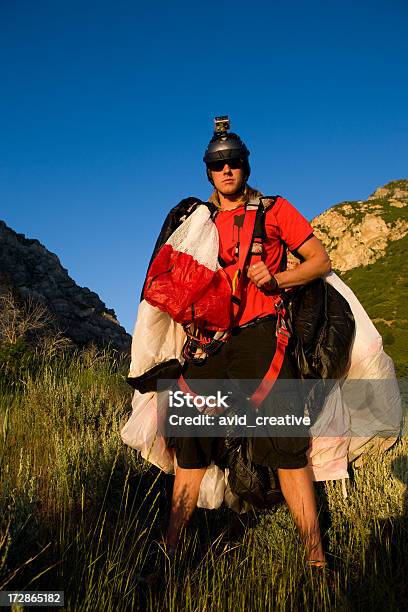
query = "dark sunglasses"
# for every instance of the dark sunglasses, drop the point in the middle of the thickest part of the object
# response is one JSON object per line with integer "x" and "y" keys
{"x": 218, "y": 166}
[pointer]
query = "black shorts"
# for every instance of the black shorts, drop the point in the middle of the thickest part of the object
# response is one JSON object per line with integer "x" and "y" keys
{"x": 246, "y": 357}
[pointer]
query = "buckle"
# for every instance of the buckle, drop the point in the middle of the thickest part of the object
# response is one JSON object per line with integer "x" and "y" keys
{"x": 280, "y": 306}
{"x": 283, "y": 335}
{"x": 282, "y": 332}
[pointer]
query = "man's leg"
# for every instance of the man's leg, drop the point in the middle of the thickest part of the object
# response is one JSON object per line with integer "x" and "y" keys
{"x": 297, "y": 488}
{"x": 193, "y": 451}
{"x": 184, "y": 501}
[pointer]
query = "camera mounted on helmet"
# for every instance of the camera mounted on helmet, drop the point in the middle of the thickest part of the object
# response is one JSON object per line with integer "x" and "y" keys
{"x": 221, "y": 124}
{"x": 225, "y": 145}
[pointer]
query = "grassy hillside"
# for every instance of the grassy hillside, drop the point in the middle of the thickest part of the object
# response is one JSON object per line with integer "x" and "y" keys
{"x": 81, "y": 513}
{"x": 382, "y": 288}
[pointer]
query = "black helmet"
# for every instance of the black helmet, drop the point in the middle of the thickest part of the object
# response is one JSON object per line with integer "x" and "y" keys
{"x": 226, "y": 145}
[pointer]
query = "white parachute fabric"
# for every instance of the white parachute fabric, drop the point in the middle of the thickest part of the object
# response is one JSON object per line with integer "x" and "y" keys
{"x": 327, "y": 454}
{"x": 374, "y": 407}
{"x": 144, "y": 433}
{"x": 156, "y": 338}
{"x": 358, "y": 415}
{"x": 212, "y": 488}
{"x": 198, "y": 237}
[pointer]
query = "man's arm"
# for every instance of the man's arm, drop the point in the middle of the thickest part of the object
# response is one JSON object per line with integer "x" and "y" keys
{"x": 316, "y": 264}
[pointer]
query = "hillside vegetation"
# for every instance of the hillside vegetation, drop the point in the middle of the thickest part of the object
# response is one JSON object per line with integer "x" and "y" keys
{"x": 368, "y": 244}
{"x": 382, "y": 288}
{"x": 81, "y": 513}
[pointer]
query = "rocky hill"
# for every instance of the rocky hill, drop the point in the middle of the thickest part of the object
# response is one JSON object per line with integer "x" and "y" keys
{"x": 368, "y": 244}
{"x": 31, "y": 271}
{"x": 357, "y": 233}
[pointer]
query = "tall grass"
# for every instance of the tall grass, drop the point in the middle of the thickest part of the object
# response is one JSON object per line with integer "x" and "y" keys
{"x": 82, "y": 513}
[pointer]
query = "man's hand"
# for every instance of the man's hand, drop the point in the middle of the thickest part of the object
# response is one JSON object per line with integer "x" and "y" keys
{"x": 316, "y": 264}
{"x": 259, "y": 274}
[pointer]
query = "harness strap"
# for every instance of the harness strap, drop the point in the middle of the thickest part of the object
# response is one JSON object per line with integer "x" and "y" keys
{"x": 182, "y": 383}
{"x": 282, "y": 335}
{"x": 247, "y": 234}
{"x": 251, "y": 243}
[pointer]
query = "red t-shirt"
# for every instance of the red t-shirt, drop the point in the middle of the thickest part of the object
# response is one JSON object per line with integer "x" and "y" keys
{"x": 284, "y": 227}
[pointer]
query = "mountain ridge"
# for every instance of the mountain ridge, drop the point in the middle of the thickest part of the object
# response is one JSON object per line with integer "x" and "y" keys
{"x": 33, "y": 272}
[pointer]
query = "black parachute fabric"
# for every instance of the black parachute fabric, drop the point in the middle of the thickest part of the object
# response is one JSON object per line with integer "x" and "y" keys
{"x": 322, "y": 326}
{"x": 322, "y": 329}
{"x": 257, "y": 485}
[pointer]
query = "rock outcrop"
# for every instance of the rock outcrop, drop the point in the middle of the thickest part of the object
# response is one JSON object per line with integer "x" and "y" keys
{"x": 32, "y": 271}
{"x": 356, "y": 233}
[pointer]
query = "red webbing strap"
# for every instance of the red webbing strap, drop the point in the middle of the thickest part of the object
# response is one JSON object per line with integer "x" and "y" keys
{"x": 247, "y": 235}
{"x": 246, "y": 238}
{"x": 270, "y": 377}
{"x": 182, "y": 383}
{"x": 282, "y": 339}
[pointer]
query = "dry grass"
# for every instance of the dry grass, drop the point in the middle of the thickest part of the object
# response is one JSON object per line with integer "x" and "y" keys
{"x": 81, "y": 513}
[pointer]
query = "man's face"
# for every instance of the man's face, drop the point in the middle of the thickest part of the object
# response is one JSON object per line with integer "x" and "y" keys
{"x": 228, "y": 176}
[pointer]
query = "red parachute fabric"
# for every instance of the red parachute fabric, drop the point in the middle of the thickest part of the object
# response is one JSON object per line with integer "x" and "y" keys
{"x": 188, "y": 290}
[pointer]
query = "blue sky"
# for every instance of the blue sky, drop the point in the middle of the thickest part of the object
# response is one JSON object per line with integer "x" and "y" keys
{"x": 106, "y": 108}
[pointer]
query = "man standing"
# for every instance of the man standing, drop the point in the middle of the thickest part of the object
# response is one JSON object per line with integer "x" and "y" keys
{"x": 252, "y": 345}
